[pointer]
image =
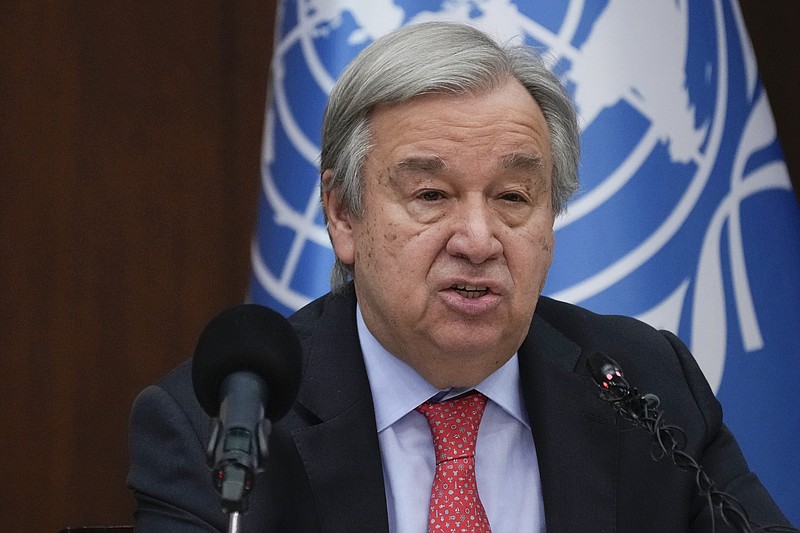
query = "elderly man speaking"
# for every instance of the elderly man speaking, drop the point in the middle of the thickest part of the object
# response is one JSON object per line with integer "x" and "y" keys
{"x": 440, "y": 391}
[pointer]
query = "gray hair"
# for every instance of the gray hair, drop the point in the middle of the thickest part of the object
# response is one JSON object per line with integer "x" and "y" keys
{"x": 435, "y": 57}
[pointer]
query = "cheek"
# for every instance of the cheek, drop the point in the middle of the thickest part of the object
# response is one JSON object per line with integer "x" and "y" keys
{"x": 379, "y": 246}
{"x": 547, "y": 245}
{"x": 532, "y": 256}
{"x": 365, "y": 248}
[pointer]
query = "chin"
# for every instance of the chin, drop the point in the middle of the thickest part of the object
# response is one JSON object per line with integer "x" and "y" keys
{"x": 466, "y": 344}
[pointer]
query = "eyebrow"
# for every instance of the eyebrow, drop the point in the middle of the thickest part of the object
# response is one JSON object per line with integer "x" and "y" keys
{"x": 432, "y": 165}
{"x": 529, "y": 163}
{"x": 428, "y": 165}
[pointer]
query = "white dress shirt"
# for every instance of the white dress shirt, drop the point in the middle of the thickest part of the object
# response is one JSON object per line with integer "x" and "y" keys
{"x": 505, "y": 461}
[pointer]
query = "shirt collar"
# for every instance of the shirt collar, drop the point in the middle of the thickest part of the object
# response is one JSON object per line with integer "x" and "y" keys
{"x": 398, "y": 389}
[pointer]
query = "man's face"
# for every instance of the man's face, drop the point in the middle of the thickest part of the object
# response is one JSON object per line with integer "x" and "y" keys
{"x": 456, "y": 237}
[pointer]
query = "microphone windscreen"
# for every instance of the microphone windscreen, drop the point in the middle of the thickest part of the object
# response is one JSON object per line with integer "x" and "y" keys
{"x": 603, "y": 369}
{"x": 249, "y": 338}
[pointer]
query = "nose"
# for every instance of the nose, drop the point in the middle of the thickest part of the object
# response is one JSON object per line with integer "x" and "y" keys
{"x": 473, "y": 234}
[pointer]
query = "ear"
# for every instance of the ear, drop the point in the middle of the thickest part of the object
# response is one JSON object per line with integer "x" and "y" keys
{"x": 340, "y": 226}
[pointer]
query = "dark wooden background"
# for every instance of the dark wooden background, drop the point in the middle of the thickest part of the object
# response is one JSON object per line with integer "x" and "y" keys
{"x": 129, "y": 159}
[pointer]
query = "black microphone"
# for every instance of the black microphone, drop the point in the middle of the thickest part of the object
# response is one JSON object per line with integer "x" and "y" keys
{"x": 668, "y": 440}
{"x": 245, "y": 372}
{"x": 614, "y": 388}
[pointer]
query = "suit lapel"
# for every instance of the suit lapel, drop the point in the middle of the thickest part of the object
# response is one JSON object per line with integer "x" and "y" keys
{"x": 341, "y": 453}
{"x": 576, "y": 442}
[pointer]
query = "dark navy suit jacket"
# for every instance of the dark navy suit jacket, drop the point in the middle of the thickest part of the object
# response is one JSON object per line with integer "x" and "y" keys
{"x": 324, "y": 470}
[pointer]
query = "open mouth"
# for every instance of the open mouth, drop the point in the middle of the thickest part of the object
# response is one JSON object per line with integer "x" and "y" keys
{"x": 470, "y": 291}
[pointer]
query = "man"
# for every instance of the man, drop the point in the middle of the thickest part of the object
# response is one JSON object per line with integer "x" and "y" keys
{"x": 445, "y": 160}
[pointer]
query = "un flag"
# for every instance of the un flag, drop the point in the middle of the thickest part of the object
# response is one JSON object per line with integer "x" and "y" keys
{"x": 686, "y": 217}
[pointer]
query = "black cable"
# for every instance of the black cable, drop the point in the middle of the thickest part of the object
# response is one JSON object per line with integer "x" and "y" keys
{"x": 669, "y": 441}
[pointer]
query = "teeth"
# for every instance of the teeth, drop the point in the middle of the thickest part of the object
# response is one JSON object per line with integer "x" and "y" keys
{"x": 471, "y": 291}
{"x": 470, "y": 287}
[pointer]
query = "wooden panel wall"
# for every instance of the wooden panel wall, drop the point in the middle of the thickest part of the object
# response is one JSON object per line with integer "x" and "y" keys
{"x": 131, "y": 135}
{"x": 129, "y": 161}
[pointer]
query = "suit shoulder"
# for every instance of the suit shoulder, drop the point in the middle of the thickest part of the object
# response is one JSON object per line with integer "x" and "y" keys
{"x": 657, "y": 361}
{"x": 647, "y": 354}
{"x": 305, "y": 320}
{"x": 178, "y": 381}
{"x": 585, "y": 326}
{"x": 176, "y": 389}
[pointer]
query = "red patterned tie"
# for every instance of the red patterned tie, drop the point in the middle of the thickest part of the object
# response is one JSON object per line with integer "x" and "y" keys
{"x": 455, "y": 504}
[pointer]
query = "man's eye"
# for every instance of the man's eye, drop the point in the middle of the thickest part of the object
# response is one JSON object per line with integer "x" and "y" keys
{"x": 513, "y": 197}
{"x": 430, "y": 196}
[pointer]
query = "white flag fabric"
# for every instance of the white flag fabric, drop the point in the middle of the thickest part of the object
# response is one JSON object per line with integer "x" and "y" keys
{"x": 686, "y": 217}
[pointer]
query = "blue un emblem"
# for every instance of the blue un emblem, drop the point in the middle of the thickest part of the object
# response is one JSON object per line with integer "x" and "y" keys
{"x": 685, "y": 219}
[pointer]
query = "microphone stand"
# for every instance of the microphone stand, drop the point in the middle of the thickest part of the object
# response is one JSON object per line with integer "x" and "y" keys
{"x": 238, "y": 451}
{"x": 233, "y": 522}
{"x": 234, "y": 470}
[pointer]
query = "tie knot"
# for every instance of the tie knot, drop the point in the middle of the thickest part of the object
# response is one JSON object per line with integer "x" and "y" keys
{"x": 454, "y": 425}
